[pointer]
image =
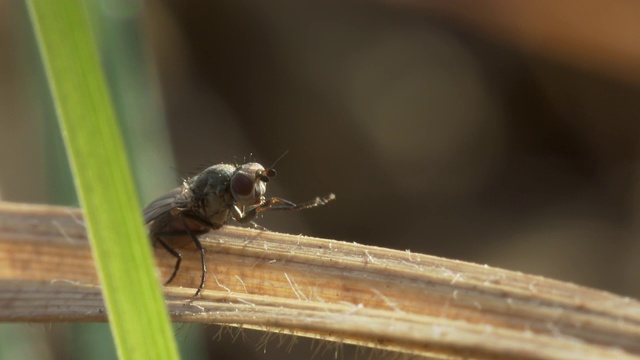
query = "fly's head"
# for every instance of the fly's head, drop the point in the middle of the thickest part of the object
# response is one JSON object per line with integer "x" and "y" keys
{"x": 249, "y": 184}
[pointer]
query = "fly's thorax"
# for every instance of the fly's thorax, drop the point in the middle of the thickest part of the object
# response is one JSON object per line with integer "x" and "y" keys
{"x": 214, "y": 179}
{"x": 211, "y": 198}
{"x": 218, "y": 202}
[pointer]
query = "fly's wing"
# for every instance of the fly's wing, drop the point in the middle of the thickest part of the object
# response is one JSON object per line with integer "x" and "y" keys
{"x": 173, "y": 199}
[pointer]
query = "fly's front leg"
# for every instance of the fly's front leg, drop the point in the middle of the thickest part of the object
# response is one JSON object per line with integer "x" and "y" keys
{"x": 243, "y": 217}
{"x": 276, "y": 203}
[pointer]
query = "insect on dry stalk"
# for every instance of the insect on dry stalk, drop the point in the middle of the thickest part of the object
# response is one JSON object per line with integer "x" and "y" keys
{"x": 209, "y": 200}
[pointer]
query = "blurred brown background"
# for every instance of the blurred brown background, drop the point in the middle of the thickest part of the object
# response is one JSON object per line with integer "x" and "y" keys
{"x": 487, "y": 131}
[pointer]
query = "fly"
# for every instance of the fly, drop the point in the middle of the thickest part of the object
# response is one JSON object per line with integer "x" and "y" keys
{"x": 209, "y": 200}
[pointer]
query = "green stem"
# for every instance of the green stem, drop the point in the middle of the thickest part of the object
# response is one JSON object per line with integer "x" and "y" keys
{"x": 135, "y": 305}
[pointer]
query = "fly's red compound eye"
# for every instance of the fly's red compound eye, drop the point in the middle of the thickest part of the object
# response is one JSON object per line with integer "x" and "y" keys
{"x": 241, "y": 185}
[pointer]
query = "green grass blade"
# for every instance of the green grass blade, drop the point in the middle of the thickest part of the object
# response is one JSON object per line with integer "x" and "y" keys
{"x": 134, "y": 301}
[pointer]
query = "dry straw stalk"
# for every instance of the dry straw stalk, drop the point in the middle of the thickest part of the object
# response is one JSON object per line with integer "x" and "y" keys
{"x": 382, "y": 298}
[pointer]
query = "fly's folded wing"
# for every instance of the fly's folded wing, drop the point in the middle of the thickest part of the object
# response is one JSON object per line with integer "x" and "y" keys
{"x": 175, "y": 198}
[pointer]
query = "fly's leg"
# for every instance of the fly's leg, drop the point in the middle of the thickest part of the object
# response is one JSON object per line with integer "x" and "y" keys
{"x": 192, "y": 234}
{"x": 246, "y": 217}
{"x": 257, "y": 226}
{"x": 199, "y": 246}
{"x": 175, "y": 254}
{"x": 159, "y": 238}
{"x": 243, "y": 217}
{"x": 276, "y": 203}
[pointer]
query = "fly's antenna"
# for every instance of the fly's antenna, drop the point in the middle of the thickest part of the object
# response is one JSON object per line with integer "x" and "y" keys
{"x": 278, "y": 159}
